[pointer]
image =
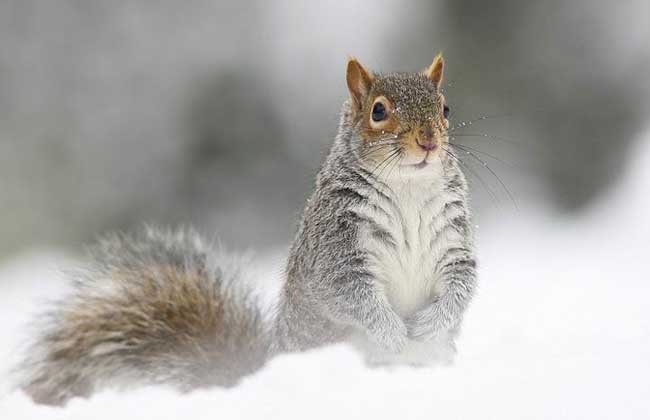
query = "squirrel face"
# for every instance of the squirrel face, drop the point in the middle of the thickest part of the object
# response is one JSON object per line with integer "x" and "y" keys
{"x": 401, "y": 116}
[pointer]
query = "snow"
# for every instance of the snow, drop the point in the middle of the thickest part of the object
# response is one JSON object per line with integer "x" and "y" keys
{"x": 560, "y": 328}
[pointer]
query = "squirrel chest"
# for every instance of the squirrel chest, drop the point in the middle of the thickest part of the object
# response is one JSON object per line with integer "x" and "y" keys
{"x": 412, "y": 229}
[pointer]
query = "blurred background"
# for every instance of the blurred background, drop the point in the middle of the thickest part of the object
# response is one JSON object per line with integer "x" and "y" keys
{"x": 218, "y": 113}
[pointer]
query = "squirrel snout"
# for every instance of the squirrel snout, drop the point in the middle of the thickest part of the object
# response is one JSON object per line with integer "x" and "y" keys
{"x": 427, "y": 145}
{"x": 425, "y": 139}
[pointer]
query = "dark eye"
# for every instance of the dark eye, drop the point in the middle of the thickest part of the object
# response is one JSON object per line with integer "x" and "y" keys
{"x": 379, "y": 112}
{"x": 445, "y": 111}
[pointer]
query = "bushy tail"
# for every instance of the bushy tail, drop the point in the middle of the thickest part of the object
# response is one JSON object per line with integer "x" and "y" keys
{"x": 152, "y": 307}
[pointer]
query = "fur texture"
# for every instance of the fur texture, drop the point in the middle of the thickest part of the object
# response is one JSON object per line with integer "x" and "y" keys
{"x": 151, "y": 307}
{"x": 388, "y": 257}
{"x": 383, "y": 257}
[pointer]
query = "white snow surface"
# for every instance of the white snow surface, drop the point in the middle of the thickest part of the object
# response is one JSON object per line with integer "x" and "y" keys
{"x": 559, "y": 329}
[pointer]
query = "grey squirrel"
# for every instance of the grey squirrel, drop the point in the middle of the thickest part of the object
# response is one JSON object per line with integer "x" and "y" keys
{"x": 383, "y": 258}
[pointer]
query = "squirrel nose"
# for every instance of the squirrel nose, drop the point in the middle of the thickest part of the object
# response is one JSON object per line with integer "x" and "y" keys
{"x": 427, "y": 146}
{"x": 425, "y": 139}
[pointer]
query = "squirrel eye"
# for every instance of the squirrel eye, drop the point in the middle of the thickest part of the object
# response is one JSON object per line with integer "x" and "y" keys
{"x": 445, "y": 111}
{"x": 379, "y": 112}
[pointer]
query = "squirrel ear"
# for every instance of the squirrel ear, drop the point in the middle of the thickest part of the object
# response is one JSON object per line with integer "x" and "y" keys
{"x": 359, "y": 81}
{"x": 435, "y": 70}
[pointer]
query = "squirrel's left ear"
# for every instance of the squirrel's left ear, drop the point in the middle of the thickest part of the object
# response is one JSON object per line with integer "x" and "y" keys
{"x": 359, "y": 82}
{"x": 435, "y": 71}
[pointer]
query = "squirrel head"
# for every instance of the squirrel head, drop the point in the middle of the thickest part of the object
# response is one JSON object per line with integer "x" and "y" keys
{"x": 400, "y": 116}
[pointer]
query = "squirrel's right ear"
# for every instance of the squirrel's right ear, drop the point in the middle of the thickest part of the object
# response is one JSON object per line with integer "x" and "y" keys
{"x": 359, "y": 82}
{"x": 435, "y": 70}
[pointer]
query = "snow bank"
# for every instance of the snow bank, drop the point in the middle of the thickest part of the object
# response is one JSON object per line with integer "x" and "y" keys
{"x": 560, "y": 328}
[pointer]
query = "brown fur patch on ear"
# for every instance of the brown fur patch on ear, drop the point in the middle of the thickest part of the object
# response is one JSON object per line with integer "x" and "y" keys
{"x": 435, "y": 71}
{"x": 359, "y": 82}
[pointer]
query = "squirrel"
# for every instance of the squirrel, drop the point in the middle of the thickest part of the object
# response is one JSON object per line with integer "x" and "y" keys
{"x": 383, "y": 258}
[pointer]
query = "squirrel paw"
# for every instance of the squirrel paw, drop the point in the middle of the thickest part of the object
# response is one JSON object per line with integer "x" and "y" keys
{"x": 390, "y": 333}
{"x": 424, "y": 326}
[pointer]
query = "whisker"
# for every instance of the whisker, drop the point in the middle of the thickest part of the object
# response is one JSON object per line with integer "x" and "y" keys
{"x": 368, "y": 152}
{"x": 389, "y": 156}
{"x": 490, "y": 192}
{"x": 462, "y": 124}
{"x": 396, "y": 163}
{"x": 379, "y": 144}
{"x": 503, "y": 185}
{"x": 376, "y": 143}
{"x": 491, "y": 137}
{"x": 463, "y": 147}
{"x": 395, "y": 154}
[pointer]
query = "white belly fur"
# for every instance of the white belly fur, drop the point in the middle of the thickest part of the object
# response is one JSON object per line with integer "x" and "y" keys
{"x": 406, "y": 272}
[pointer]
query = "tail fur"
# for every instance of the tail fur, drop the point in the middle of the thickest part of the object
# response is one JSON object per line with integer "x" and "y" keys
{"x": 152, "y": 307}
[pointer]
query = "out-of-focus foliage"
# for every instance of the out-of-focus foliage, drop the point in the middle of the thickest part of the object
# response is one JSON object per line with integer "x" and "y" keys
{"x": 218, "y": 113}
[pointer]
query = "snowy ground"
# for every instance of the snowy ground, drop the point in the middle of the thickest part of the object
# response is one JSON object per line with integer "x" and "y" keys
{"x": 559, "y": 329}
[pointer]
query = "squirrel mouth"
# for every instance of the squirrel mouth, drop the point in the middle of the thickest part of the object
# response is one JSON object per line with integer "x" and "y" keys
{"x": 424, "y": 161}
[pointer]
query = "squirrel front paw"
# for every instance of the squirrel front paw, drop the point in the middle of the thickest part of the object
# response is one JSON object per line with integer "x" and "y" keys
{"x": 389, "y": 332}
{"x": 424, "y": 325}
